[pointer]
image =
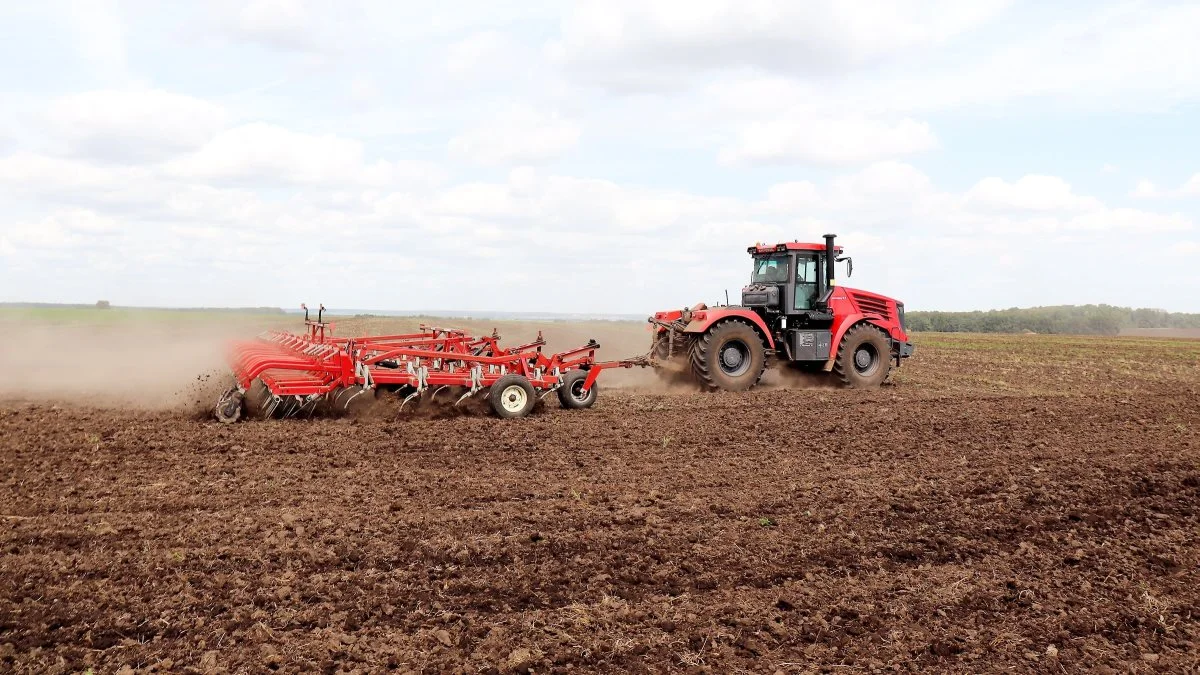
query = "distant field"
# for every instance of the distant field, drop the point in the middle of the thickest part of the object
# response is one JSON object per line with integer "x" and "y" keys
{"x": 1163, "y": 332}
{"x": 93, "y": 315}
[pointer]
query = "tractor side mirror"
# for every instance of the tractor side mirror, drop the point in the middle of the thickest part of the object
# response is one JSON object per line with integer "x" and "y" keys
{"x": 849, "y": 265}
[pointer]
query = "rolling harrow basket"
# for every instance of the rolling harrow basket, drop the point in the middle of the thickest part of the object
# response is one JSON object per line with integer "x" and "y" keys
{"x": 282, "y": 374}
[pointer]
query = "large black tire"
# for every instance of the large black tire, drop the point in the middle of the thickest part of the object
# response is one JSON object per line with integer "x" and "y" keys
{"x": 512, "y": 396}
{"x": 571, "y": 395}
{"x": 864, "y": 357}
{"x": 730, "y": 356}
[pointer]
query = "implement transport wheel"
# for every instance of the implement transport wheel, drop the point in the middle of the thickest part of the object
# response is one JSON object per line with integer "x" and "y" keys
{"x": 730, "y": 357}
{"x": 512, "y": 396}
{"x": 864, "y": 357}
{"x": 229, "y": 406}
{"x": 571, "y": 394}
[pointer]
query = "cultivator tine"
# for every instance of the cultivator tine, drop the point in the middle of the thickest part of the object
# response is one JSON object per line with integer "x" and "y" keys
{"x": 311, "y": 404}
{"x": 422, "y": 375}
{"x": 476, "y": 384}
{"x": 433, "y": 396}
{"x": 291, "y": 407}
{"x": 408, "y": 398}
{"x": 360, "y": 392}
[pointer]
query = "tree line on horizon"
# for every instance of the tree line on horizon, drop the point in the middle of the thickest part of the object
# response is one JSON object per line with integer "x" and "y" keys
{"x": 1062, "y": 319}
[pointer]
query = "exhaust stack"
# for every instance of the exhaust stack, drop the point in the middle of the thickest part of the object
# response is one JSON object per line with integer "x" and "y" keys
{"x": 830, "y": 259}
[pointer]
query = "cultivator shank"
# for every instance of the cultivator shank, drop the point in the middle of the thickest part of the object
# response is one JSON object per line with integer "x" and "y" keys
{"x": 283, "y": 374}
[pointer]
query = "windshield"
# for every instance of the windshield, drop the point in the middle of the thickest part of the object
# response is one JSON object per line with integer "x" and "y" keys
{"x": 770, "y": 270}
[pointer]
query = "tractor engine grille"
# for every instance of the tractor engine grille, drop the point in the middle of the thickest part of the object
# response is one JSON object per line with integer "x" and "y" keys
{"x": 870, "y": 305}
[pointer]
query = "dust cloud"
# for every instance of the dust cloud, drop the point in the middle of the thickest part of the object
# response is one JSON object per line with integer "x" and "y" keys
{"x": 127, "y": 364}
{"x": 160, "y": 364}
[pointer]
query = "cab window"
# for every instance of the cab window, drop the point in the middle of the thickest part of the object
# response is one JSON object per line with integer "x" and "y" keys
{"x": 770, "y": 270}
{"x": 806, "y": 281}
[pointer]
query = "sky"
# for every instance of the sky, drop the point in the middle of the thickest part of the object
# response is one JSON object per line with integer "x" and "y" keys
{"x": 605, "y": 156}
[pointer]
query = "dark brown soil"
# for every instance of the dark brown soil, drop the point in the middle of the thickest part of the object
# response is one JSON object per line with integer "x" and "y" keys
{"x": 912, "y": 528}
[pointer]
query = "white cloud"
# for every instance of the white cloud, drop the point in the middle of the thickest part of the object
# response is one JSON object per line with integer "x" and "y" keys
{"x": 87, "y": 222}
{"x": 276, "y": 23}
{"x": 1128, "y": 220}
{"x": 615, "y": 40}
{"x": 364, "y": 89}
{"x": 481, "y": 52}
{"x": 520, "y": 134}
{"x": 828, "y": 142}
{"x": 1127, "y": 56}
{"x": 1192, "y": 186}
{"x": 1116, "y": 57}
{"x": 635, "y": 247}
{"x": 133, "y": 125}
{"x": 1185, "y": 248}
{"x": 1146, "y": 189}
{"x": 64, "y": 229}
{"x": 1029, "y": 193}
{"x": 99, "y": 39}
{"x": 791, "y": 197}
{"x": 266, "y": 154}
{"x": 26, "y": 173}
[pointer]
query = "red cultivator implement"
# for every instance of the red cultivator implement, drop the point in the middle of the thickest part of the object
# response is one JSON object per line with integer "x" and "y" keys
{"x": 282, "y": 374}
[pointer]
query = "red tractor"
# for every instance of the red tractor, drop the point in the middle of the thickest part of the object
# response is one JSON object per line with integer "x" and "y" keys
{"x": 790, "y": 312}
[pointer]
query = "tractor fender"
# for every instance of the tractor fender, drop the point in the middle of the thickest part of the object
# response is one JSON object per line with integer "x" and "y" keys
{"x": 706, "y": 319}
{"x": 849, "y": 322}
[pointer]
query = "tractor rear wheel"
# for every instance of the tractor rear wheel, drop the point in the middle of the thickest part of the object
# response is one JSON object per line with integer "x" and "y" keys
{"x": 864, "y": 357}
{"x": 730, "y": 356}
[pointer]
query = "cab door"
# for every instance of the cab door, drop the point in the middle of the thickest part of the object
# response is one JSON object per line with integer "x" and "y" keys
{"x": 807, "y": 276}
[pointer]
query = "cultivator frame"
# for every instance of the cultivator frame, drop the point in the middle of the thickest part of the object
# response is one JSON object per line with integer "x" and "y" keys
{"x": 282, "y": 374}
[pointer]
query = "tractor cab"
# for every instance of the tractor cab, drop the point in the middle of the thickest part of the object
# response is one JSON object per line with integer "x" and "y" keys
{"x": 792, "y": 280}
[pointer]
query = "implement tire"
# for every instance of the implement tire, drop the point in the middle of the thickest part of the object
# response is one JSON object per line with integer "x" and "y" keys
{"x": 571, "y": 395}
{"x": 730, "y": 356}
{"x": 864, "y": 357}
{"x": 512, "y": 396}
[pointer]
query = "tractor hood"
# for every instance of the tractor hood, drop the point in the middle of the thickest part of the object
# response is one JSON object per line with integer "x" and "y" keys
{"x": 881, "y": 307}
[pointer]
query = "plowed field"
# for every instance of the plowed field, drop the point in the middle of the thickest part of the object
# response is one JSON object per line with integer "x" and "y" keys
{"x": 1020, "y": 502}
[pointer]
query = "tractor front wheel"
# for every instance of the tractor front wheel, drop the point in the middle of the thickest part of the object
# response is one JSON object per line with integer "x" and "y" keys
{"x": 864, "y": 357}
{"x": 730, "y": 356}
